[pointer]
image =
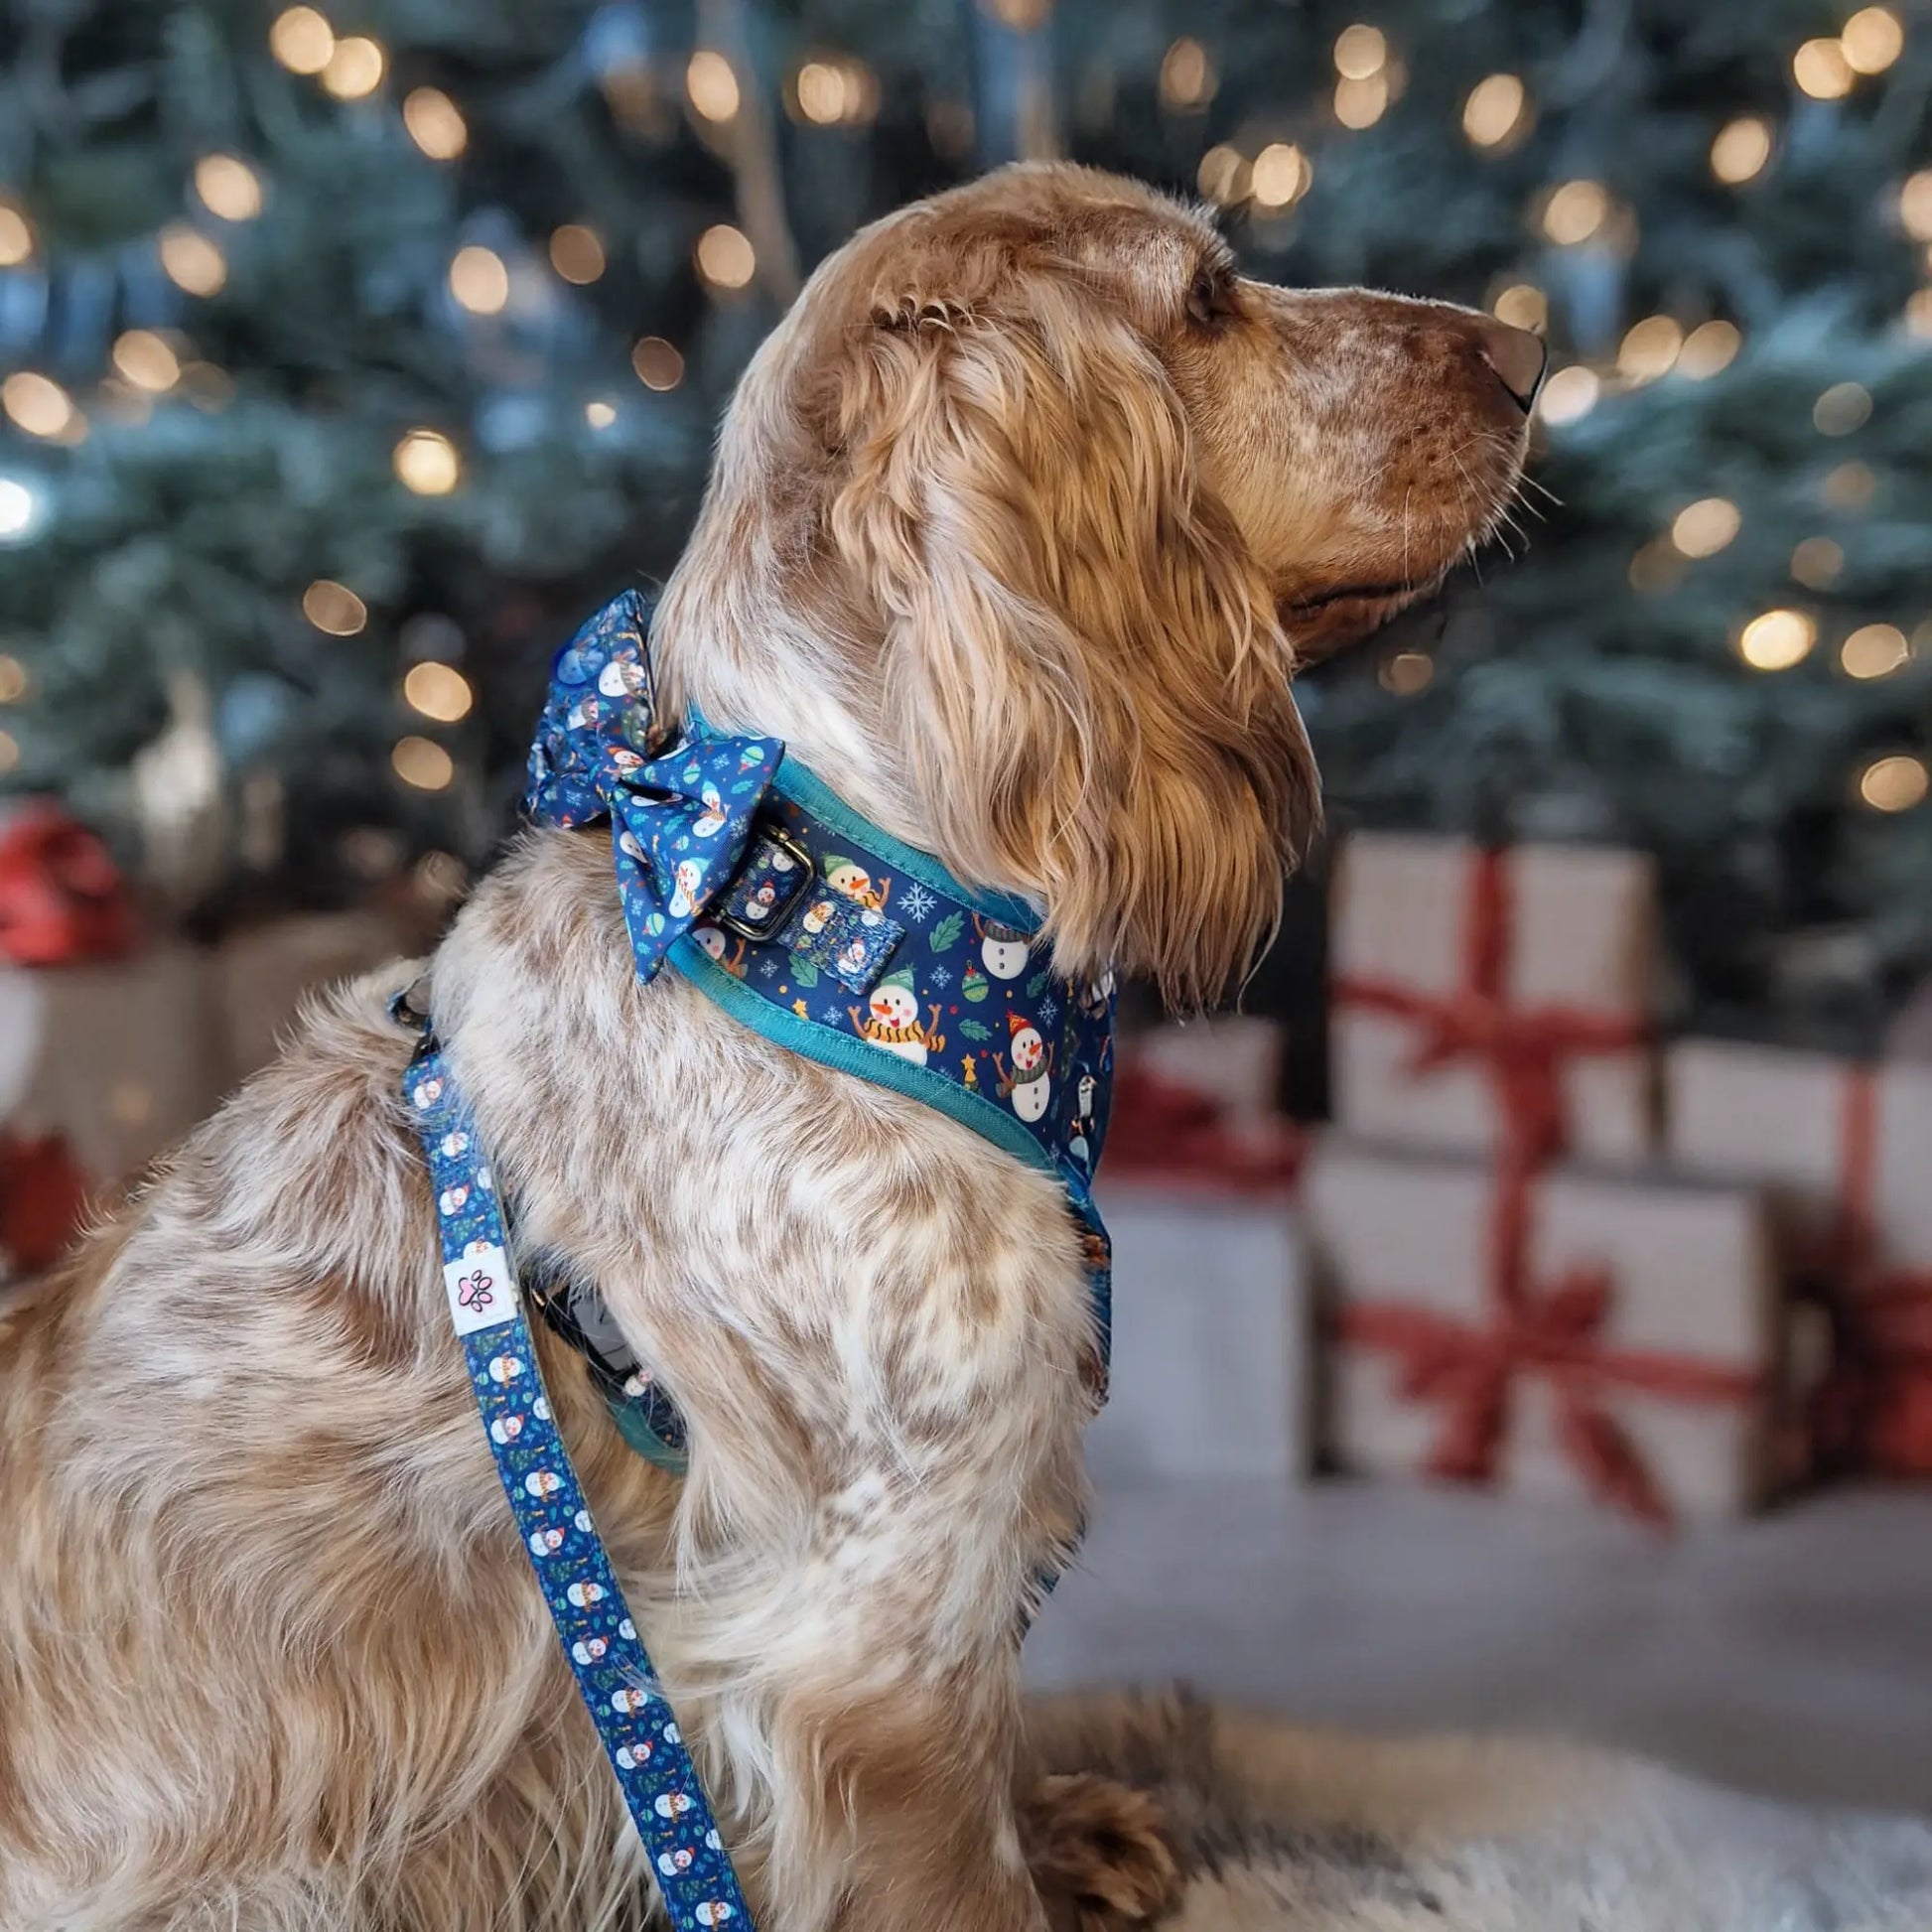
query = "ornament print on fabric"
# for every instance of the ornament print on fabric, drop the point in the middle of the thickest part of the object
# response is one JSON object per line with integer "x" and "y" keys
{"x": 635, "y": 1721}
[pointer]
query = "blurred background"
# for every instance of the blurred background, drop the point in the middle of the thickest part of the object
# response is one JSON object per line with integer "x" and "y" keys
{"x": 1571, "y": 1149}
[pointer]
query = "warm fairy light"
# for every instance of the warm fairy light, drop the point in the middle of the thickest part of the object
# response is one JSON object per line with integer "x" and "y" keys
{"x": 820, "y": 88}
{"x": 1777, "y": 640}
{"x": 147, "y": 361}
{"x": 1843, "y": 407}
{"x": 422, "y": 762}
{"x": 658, "y": 362}
{"x": 1576, "y": 212}
{"x": 16, "y": 237}
{"x": 355, "y": 68}
{"x": 13, "y": 673}
{"x": 1915, "y": 205}
{"x": 600, "y": 415}
{"x": 711, "y": 85}
{"x": 438, "y": 691}
{"x": 1702, "y": 528}
{"x": 1741, "y": 149}
{"x": 577, "y": 255}
{"x": 427, "y": 462}
{"x": 480, "y": 281}
{"x": 1280, "y": 175}
{"x": 9, "y": 750}
{"x": 1224, "y": 175}
{"x": 1709, "y": 348}
{"x": 1649, "y": 348}
{"x": 1187, "y": 74}
{"x": 227, "y": 187}
{"x": 1874, "y": 650}
{"x": 1871, "y": 41}
{"x": 1361, "y": 103}
{"x": 1022, "y": 16}
{"x": 1893, "y": 785}
{"x": 1523, "y": 306}
{"x": 1360, "y": 51}
{"x": 1493, "y": 110}
{"x": 435, "y": 123}
{"x": 20, "y": 510}
{"x": 302, "y": 41}
{"x": 1406, "y": 673}
{"x": 1821, "y": 70}
{"x": 333, "y": 608}
{"x": 192, "y": 261}
{"x": 726, "y": 258}
{"x": 1850, "y": 487}
{"x": 37, "y": 403}
{"x": 1816, "y": 563}
{"x": 1919, "y": 313}
{"x": 1568, "y": 395}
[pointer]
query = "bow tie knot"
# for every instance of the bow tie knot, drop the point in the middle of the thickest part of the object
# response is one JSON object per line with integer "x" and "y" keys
{"x": 681, "y": 813}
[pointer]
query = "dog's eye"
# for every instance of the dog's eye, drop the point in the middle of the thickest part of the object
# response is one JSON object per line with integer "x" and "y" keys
{"x": 1207, "y": 299}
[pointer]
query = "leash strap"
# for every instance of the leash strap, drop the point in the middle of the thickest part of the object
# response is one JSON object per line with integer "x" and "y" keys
{"x": 635, "y": 1722}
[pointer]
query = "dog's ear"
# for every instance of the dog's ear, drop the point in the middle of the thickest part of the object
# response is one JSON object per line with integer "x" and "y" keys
{"x": 1081, "y": 662}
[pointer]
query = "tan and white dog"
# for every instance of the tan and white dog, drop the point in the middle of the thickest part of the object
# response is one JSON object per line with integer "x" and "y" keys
{"x": 1020, "y": 520}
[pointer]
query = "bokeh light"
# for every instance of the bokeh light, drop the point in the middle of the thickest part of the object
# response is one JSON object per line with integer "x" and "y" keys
{"x": 1777, "y": 640}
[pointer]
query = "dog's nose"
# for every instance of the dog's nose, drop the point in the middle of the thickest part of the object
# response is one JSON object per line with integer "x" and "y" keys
{"x": 1516, "y": 356}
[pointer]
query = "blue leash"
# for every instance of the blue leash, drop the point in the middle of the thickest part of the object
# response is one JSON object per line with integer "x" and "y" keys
{"x": 635, "y": 1722}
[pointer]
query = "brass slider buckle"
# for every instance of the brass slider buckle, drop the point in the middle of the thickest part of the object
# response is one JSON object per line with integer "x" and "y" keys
{"x": 730, "y": 911}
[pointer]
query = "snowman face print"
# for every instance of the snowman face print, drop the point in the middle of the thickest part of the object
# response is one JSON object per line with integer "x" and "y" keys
{"x": 623, "y": 677}
{"x": 1028, "y": 1050}
{"x": 687, "y": 881}
{"x": 1001, "y": 949}
{"x": 892, "y": 1005}
{"x": 711, "y": 821}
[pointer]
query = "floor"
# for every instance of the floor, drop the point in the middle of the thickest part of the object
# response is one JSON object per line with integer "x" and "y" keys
{"x": 1790, "y": 1655}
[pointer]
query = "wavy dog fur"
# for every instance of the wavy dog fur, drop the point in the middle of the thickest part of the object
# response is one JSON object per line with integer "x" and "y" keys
{"x": 1016, "y": 520}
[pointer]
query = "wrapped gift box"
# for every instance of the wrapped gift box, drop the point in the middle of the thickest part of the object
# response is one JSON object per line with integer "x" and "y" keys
{"x": 1480, "y": 994}
{"x": 263, "y": 973}
{"x": 1616, "y": 1337}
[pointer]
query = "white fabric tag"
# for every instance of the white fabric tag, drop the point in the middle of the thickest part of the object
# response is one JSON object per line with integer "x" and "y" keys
{"x": 481, "y": 1289}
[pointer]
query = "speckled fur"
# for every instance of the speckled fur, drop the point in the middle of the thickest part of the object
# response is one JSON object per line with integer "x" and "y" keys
{"x": 983, "y": 547}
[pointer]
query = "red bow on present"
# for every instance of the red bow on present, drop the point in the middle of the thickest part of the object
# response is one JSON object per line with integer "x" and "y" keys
{"x": 62, "y": 898}
{"x": 1162, "y": 1130}
{"x": 1522, "y": 1046}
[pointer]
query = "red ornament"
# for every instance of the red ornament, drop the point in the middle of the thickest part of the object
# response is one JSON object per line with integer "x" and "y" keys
{"x": 62, "y": 899}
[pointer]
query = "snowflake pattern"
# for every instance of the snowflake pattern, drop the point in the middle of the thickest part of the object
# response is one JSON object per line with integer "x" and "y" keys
{"x": 940, "y": 977}
{"x": 768, "y": 969}
{"x": 916, "y": 903}
{"x": 1049, "y": 1010}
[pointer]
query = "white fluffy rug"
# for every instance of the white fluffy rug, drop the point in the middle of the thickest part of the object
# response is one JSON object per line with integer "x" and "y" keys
{"x": 1284, "y": 1830}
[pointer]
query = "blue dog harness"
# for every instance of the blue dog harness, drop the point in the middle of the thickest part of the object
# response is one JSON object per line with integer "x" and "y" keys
{"x": 741, "y": 870}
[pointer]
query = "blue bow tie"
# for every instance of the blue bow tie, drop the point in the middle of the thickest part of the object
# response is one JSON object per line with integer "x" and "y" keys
{"x": 680, "y": 815}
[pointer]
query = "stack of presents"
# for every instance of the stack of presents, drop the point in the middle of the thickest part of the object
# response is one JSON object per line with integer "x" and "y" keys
{"x": 1538, "y": 1246}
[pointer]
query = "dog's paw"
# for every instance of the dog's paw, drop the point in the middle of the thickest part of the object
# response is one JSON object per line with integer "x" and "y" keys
{"x": 1098, "y": 1852}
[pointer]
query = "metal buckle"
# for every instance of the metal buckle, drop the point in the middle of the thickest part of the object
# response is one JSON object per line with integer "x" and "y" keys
{"x": 767, "y": 927}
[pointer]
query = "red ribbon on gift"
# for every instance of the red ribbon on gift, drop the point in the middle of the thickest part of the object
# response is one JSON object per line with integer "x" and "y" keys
{"x": 43, "y": 1202}
{"x": 1469, "y": 1367}
{"x": 1523, "y": 1047}
{"x": 62, "y": 898}
{"x": 1162, "y": 1130}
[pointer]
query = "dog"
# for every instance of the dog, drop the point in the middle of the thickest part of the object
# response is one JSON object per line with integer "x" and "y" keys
{"x": 1020, "y": 520}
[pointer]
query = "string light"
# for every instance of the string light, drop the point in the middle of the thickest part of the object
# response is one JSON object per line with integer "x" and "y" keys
{"x": 1915, "y": 205}
{"x": 422, "y": 762}
{"x": 1843, "y": 407}
{"x": 302, "y": 40}
{"x": 834, "y": 88}
{"x": 1494, "y": 110}
{"x": 1893, "y": 784}
{"x": 480, "y": 281}
{"x": 147, "y": 361}
{"x": 1360, "y": 51}
{"x": 1850, "y": 487}
{"x": 1406, "y": 673}
{"x": 9, "y": 750}
{"x": 1649, "y": 349}
{"x": 1919, "y": 313}
{"x": 1816, "y": 563}
{"x": 711, "y": 85}
{"x": 1741, "y": 149}
{"x": 16, "y": 237}
{"x": 1575, "y": 212}
{"x": 1871, "y": 41}
{"x": 20, "y": 510}
{"x": 657, "y": 363}
{"x": 726, "y": 258}
{"x": 435, "y": 123}
{"x": 192, "y": 262}
{"x": 1821, "y": 70}
{"x": 1361, "y": 103}
{"x": 333, "y": 608}
{"x": 1187, "y": 78}
{"x": 355, "y": 68}
{"x": 1224, "y": 175}
{"x": 1777, "y": 640}
{"x": 37, "y": 403}
{"x": 1280, "y": 175}
{"x": 228, "y": 187}
{"x": 1709, "y": 348}
{"x": 1702, "y": 528}
{"x": 13, "y": 673}
{"x": 426, "y": 461}
{"x": 1874, "y": 650}
{"x": 577, "y": 255}
{"x": 600, "y": 415}
{"x": 438, "y": 691}
{"x": 1568, "y": 395}
{"x": 1523, "y": 306}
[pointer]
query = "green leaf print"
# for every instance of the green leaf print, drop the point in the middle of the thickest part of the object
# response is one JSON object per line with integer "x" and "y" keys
{"x": 974, "y": 1029}
{"x": 804, "y": 971}
{"x": 945, "y": 934}
{"x": 1036, "y": 985}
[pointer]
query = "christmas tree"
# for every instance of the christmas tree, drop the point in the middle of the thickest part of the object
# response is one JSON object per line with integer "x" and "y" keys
{"x": 352, "y": 355}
